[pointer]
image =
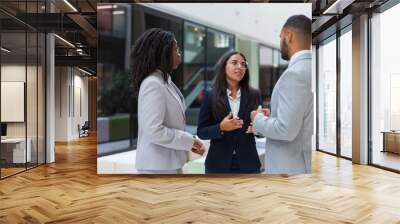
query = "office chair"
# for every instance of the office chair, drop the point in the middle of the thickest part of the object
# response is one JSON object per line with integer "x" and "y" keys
{"x": 84, "y": 130}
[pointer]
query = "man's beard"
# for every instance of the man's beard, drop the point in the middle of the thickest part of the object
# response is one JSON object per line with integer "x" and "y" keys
{"x": 284, "y": 51}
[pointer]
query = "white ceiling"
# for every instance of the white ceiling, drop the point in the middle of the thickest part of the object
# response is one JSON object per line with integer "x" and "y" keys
{"x": 261, "y": 22}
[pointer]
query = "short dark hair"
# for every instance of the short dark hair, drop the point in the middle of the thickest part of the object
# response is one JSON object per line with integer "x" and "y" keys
{"x": 151, "y": 51}
{"x": 300, "y": 23}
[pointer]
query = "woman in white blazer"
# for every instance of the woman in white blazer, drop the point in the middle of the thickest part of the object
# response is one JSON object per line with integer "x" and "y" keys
{"x": 163, "y": 145}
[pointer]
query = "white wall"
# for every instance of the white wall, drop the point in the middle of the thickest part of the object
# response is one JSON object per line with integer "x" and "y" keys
{"x": 250, "y": 50}
{"x": 33, "y": 126}
{"x": 62, "y": 113}
{"x": 12, "y": 100}
{"x": 71, "y": 94}
{"x": 13, "y": 73}
{"x": 80, "y": 89}
{"x": 17, "y": 73}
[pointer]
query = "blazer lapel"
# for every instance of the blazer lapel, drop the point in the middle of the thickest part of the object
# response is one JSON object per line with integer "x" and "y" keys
{"x": 174, "y": 93}
{"x": 181, "y": 97}
{"x": 227, "y": 105}
{"x": 243, "y": 104}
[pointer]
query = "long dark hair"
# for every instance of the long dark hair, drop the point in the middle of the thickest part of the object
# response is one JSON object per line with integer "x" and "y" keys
{"x": 218, "y": 93}
{"x": 151, "y": 51}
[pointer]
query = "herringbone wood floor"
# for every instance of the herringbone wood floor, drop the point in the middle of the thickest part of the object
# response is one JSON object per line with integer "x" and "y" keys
{"x": 70, "y": 191}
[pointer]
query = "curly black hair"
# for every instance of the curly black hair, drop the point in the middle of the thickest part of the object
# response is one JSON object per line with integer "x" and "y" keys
{"x": 151, "y": 51}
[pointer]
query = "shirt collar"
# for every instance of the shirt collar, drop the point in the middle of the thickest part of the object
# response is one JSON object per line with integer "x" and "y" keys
{"x": 297, "y": 55}
{"x": 229, "y": 92}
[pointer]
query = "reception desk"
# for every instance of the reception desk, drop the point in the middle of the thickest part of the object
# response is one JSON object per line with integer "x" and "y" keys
{"x": 391, "y": 141}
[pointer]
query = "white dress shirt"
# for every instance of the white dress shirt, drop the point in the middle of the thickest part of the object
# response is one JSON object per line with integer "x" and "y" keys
{"x": 234, "y": 103}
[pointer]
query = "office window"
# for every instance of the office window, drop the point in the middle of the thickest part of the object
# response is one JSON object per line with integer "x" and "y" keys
{"x": 119, "y": 20}
{"x": 385, "y": 89}
{"x": 193, "y": 59}
{"x": 314, "y": 90}
{"x": 116, "y": 107}
{"x": 194, "y": 83}
{"x": 346, "y": 94}
{"x": 266, "y": 73}
{"x": 327, "y": 96}
{"x": 280, "y": 65}
{"x": 218, "y": 43}
{"x": 202, "y": 49}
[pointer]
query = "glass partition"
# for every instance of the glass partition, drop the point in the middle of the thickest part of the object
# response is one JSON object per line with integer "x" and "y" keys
{"x": 327, "y": 97}
{"x": 385, "y": 90}
{"x": 15, "y": 150}
{"x": 31, "y": 98}
{"x": 346, "y": 94}
{"x": 22, "y": 88}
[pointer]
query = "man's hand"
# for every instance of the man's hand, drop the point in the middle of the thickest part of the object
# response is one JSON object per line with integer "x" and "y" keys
{"x": 253, "y": 115}
{"x": 265, "y": 111}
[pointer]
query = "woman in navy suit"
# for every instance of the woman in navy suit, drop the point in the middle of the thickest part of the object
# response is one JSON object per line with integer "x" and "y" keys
{"x": 225, "y": 119}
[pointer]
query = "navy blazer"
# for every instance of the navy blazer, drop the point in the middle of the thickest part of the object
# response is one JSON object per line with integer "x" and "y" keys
{"x": 220, "y": 153}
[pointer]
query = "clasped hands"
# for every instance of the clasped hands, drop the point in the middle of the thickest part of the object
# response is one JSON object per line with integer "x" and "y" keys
{"x": 198, "y": 147}
{"x": 265, "y": 111}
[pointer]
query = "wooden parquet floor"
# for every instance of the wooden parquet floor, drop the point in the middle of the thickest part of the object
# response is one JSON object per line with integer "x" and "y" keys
{"x": 70, "y": 191}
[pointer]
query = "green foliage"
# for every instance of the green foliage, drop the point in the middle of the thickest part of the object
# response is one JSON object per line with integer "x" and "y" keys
{"x": 116, "y": 95}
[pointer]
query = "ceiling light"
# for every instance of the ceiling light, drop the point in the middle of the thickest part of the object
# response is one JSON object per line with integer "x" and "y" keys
{"x": 65, "y": 41}
{"x": 119, "y": 12}
{"x": 106, "y": 7}
{"x": 84, "y": 71}
{"x": 70, "y": 5}
{"x": 5, "y": 50}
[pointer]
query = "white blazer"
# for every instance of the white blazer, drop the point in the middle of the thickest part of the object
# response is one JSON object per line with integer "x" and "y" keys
{"x": 290, "y": 126}
{"x": 162, "y": 142}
